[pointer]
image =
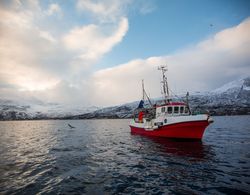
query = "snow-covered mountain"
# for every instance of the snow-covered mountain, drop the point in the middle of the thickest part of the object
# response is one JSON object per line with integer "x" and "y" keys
{"x": 15, "y": 110}
{"x": 236, "y": 86}
{"x": 230, "y": 99}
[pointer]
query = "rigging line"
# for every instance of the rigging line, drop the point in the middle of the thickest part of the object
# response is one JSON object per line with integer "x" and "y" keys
{"x": 148, "y": 98}
{"x": 178, "y": 97}
{"x": 145, "y": 94}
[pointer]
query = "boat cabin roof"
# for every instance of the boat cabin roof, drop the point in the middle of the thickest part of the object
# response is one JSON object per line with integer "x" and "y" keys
{"x": 172, "y": 104}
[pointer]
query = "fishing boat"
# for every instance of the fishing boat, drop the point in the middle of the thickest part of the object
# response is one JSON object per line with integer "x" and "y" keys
{"x": 170, "y": 119}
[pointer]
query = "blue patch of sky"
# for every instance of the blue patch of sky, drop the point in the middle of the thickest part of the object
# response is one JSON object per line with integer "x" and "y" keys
{"x": 174, "y": 25}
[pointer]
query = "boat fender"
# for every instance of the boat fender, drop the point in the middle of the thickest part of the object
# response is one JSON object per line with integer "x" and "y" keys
{"x": 165, "y": 120}
{"x": 158, "y": 124}
{"x": 209, "y": 119}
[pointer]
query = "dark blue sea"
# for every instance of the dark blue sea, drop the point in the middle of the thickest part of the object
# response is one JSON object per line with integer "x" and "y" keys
{"x": 102, "y": 157}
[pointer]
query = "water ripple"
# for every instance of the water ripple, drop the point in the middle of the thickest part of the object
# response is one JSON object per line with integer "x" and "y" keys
{"x": 102, "y": 157}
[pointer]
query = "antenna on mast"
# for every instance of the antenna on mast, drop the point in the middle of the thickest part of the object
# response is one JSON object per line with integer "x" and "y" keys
{"x": 164, "y": 82}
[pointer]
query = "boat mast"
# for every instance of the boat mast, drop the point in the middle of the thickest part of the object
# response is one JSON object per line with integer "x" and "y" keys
{"x": 165, "y": 83}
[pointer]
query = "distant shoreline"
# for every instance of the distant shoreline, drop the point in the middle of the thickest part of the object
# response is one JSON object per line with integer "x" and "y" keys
{"x": 98, "y": 118}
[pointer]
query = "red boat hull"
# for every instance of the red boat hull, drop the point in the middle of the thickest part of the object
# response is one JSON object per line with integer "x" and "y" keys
{"x": 184, "y": 130}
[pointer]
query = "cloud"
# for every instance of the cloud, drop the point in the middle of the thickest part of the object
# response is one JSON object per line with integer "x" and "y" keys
{"x": 91, "y": 40}
{"x": 47, "y": 36}
{"x": 109, "y": 11}
{"x": 51, "y": 65}
{"x": 54, "y": 8}
{"x": 204, "y": 66}
{"x": 146, "y": 7}
{"x": 123, "y": 83}
{"x": 65, "y": 93}
{"x": 47, "y": 64}
{"x": 32, "y": 57}
{"x": 20, "y": 58}
{"x": 105, "y": 10}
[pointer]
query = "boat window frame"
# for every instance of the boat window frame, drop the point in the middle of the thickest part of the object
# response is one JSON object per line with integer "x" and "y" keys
{"x": 163, "y": 109}
{"x": 176, "y": 111}
{"x": 171, "y": 110}
{"x": 186, "y": 110}
{"x": 182, "y": 109}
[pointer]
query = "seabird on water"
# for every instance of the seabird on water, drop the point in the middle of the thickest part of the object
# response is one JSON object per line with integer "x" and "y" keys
{"x": 70, "y": 126}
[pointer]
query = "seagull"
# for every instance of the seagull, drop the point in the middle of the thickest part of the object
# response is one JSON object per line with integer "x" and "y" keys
{"x": 70, "y": 126}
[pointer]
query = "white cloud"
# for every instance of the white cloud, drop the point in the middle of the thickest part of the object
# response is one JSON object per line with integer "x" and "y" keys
{"x": 123, "y": 83}
{"x": 92, "y": 42}
{"x": 37, "y": 61}
{"x": 33, "y": 57}
{"x": 109, "y": 11}
{"x": 47, "y": 36}
{"x": 35, "y": 53}
{"x": 33, "y": 4}
{"x": 23, "y": 47}
{"x": 146, "y": 7}
{"x": 228, "y": 39}
{"x": 19, "y": 19}
{"x": 54, "y": 8}
{"x": 105, "y": 10}
{"x": 63, "y": 92}
{"x": 207, "y": 65}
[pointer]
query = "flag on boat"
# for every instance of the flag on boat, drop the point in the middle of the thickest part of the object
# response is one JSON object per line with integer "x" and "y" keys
{"x": 141, "y": 104}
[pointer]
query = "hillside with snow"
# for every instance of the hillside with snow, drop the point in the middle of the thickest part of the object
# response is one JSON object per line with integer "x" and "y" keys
{"x": 236, "y": 86}
{"x": 231, "y": 99}
{"x": 20, "y": 110}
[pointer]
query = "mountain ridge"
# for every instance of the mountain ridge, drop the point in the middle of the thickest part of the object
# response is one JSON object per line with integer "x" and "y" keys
{"x": 230, "y": 99}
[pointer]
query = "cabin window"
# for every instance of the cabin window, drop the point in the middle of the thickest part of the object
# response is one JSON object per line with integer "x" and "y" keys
{"x": 176, "y": 109}
{"x": 170, "y": 110}
{"x": 162, "y": 109}
{"x": 186, "y": 110}
{"x": 181, "y": 109}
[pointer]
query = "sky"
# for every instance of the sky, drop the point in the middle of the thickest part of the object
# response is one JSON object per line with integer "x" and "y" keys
{"x": 96, "y": 52}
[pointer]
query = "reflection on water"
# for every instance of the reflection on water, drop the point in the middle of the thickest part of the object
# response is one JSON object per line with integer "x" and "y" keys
{"x": 186, "y": 148}
{"x": 101, "y": 156}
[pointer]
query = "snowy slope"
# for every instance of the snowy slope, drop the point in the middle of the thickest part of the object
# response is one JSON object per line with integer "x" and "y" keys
{"x": 14, "y": 109}
{"x": 231, "y": 98}
{"x": 234, "y": 86}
